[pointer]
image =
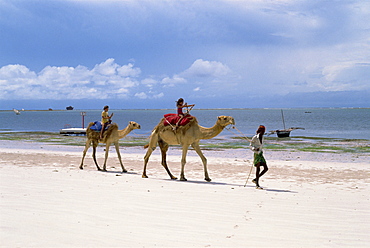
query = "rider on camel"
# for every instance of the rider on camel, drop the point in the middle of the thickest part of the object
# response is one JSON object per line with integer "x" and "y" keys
{"x": 180, "y": 105}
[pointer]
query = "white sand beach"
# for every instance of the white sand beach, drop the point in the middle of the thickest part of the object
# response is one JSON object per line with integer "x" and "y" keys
{"x": 309, "y": 200}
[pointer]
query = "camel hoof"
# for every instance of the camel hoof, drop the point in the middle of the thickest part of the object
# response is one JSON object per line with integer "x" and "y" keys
{"x": 124, "y": 171}
{"x": 81, "y": 168}
{"x": 173, "y": 178}
{"x": 144, "y": 176}
{"x": 183, "y": 179}
{"x": 208, "y": 179}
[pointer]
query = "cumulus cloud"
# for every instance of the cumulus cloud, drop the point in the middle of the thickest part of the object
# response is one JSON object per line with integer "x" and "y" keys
{"x": 141, "y": 95}
{"x": 105, "y": 80}
{"x": 204, "y": 68}
{"x": 149, "y": 95}
{"x": 149, "y": 82}
{"x": 159, "y": 95}
{"x": 172, "y": 81}
{"x": 346, "y": 76}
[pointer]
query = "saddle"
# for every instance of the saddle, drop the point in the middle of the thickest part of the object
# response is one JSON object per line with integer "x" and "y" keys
{"x": 172, "y": 119}
{"x": 98, "y": 126}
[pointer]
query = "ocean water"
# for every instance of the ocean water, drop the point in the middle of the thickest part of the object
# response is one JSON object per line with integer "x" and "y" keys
{"x": 324, "y": 123}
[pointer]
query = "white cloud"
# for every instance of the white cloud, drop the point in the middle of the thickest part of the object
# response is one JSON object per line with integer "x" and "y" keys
{"x": 150, "y": 95}
{"x": 204, "y": 68}
{"x": 128, "y": 71}
{"x": 176, "y": 79}
{"x": 106, "y": 68}
{"x": 16, "y": 71}
{"x": 157, "y": 96}
{"x": 141, "y": 95}
{"x": 149, "y": 82}
{"x": 15, "y": 77}
{"x": 105, "y": 80}
{"x": 346, "y": 76}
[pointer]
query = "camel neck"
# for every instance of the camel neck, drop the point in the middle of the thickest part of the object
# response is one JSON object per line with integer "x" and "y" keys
{"x": 122, "y": 133}
{"x": 209, "y": 133}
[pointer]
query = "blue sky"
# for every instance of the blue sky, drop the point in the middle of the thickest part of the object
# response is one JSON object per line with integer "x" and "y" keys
{"x": 216, "y": 54}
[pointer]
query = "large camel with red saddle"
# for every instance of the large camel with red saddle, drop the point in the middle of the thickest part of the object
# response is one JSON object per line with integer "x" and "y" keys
{"x": 165, "y": 134}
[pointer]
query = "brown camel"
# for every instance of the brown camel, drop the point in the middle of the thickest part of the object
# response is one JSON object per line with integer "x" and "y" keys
{"x": 188, "y": 135}
{"x": 112, "y": 135}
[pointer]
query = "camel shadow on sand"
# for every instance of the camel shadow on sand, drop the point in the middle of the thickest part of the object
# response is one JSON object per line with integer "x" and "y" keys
{"x": 231, "y": 184}
{"x": 120, "y": 173}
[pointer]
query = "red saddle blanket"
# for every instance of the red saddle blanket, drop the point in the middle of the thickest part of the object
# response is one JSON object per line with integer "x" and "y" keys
{"x": 174, "y": 118}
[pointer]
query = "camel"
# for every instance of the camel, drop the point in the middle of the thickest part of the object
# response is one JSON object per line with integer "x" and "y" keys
{"x": 188, "y": 135}
{"x": 112, "y": 135}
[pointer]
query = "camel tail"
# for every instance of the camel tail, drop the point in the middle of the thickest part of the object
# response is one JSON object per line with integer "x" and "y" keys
{"x": 153, "y": 132}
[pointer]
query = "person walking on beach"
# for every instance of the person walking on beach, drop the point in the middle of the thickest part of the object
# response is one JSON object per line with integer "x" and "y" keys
{"x": 180, "y": 105}
{"x": 256, "y": 146}
{"x": 105, "y": 120}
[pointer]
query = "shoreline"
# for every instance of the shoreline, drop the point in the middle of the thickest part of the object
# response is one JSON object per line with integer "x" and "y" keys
{"x": 13, "y": 146}
{"x": 309, "y": 149}
{"x": 10, "y": 110}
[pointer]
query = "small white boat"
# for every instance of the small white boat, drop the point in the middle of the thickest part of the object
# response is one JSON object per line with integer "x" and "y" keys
{"x": 16, "y": 112}
{"x": 73, "y": 130}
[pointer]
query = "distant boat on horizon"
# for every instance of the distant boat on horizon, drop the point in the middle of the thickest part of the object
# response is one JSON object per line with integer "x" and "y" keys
{"x": 16, "y": 111}
{"x": 69, "y": 108}
{"x": 284, "y": 133}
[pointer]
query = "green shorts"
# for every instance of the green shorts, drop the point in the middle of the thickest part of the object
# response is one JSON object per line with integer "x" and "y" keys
{"x": 258, "y": 158}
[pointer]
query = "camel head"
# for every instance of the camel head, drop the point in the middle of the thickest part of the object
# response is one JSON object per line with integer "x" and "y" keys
{"x": 225, "y": 120}
{"x": 133, "y": 125}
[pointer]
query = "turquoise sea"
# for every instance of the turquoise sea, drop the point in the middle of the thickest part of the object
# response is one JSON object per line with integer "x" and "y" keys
{"x": 323, "y": 123}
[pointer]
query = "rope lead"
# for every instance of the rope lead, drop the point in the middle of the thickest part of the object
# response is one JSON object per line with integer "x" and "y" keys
{"x": 246, "y": 138}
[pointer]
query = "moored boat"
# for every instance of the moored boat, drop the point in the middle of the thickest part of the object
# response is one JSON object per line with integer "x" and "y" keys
{"x": 284, "y": 133}
{"x": 72, "y": 130}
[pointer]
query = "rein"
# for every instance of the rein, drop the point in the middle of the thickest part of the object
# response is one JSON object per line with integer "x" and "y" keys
{"x": 241, "y": 134}
{"x": 246, "y": 138}
{"x": 188, "y": 110}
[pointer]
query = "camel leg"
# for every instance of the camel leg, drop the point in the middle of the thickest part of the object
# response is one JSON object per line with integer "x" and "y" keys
{"x": 87, "y": 146}
{"x": 152, "y": 145}
{"x": 183, "y": 162}
{"x": 164, "y": 149}
{"x": 116, "y": 144}
{"x": 146, "y": 160}
{"x": 94, "y": 155}
{"x": 106, "y": 157}
{"x": 204, "y": 160}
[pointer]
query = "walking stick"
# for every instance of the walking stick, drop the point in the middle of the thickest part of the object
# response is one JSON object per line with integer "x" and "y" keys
{"x": 246, "y": 138}
{"x": 248, "y": 175}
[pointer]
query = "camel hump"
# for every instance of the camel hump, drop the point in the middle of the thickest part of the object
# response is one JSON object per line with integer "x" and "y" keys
{"x": 111, "y": 128}
{"x": 88, "y": 129}
{"x": 90, "y": 125}
{"x": 114, "y": 125}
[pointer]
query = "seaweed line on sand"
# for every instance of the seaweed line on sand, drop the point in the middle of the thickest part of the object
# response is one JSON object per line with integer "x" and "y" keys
{"x": 303, "y": 144}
